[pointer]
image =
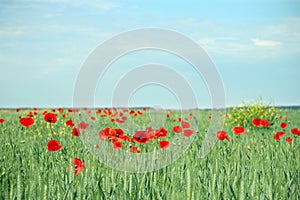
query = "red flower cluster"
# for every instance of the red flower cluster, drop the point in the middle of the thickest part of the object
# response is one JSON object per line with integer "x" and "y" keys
{"x": 54, "y": 145}
{"x": 260, "y": 122}
{"x": 149, "y": 134}
{"x": 114, "y": 114}
{"x": 280, "y": 134}
{"x": 76, "y": 130}
{"x": 115, "y": 136}
{"x": 184, "y": 127}
{"x": 283, "y": 125}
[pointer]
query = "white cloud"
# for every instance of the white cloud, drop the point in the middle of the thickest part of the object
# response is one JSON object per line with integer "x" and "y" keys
{"x": 265, "y": 43}
{"x": 281, "y": 38}
{"x": 225, "y": 45}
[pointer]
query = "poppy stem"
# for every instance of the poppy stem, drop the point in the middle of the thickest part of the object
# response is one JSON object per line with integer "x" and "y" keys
{"x": 52, "y": 133}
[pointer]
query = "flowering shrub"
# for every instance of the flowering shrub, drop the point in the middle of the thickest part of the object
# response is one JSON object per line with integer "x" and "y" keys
{"x": 259, "y": 113}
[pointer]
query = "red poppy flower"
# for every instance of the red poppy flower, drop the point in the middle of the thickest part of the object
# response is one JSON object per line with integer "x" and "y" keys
{"x": 60, "y": 110}
{"x": 30, "y": 114}
{"x": 1, "y": 121}
{"x": 82, "y": 125}
{"x": 264, "y": 123}
{"x": 140, "y": 137}
{"x": 18, "y": 110}
{"x": 79, "y": 165}
{"x": 106, "y": 134}
{"x": 260, "y": 122}
{"x": 139, "y": 112}
{"x": 185, "y": 124}
{"x": 295, "y": 131}
{"x": 188, "y": 133}
{"x": 93, "y": 118}
{"x": 69, "y": 123}
{"x": 239, "y": 130}
{"x": 164, "y": 144}
{"x": 283, "y": 125}
{"x": 134, "y": 149}
{"x": 279, "y": 135}
{"x": 221, "y": 135}
{"x": 289, "y": 140}
{"x": 177, "y": 129}
{"x": 209, "y": 117}
{"x": 50, "y": 118}
{"x": 76, "y": 132}
{"x": 125, "y": 138}
{"x": 131, "y": 112}
{"x": 161, "y": 132}
{"x": 27, "y": 122}
{"x": 256, "y": 122}
{"x": 118, "y": 133}
{"x": 117, "y": 144}
{"x": 119, "y": 121}
{"x": 151, "y": 133}
{"x": 53, "y": 145}
{"x": 88, "y": 112}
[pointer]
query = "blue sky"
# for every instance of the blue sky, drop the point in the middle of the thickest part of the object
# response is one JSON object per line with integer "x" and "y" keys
{"x": 255, "y": 46}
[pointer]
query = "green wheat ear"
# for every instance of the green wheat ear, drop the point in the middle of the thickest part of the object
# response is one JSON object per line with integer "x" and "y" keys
{"x": 188, "y": 186}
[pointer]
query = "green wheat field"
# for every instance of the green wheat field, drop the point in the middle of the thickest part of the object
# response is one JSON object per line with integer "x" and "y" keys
{"x": 253, "y": 165}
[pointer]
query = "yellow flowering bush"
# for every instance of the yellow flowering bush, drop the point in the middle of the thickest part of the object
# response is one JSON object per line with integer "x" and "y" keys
{"x": 244, "y": 113}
